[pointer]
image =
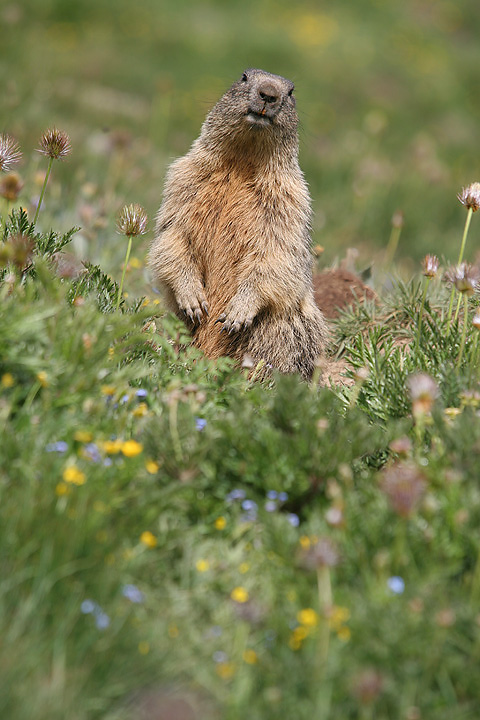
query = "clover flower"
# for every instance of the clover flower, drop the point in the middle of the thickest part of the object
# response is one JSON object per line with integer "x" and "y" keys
{"x": 404, "y": 485}
{"x": 9, "y": 152}
{"x": 470, "y": 196}
{"x": 55, "y": 144}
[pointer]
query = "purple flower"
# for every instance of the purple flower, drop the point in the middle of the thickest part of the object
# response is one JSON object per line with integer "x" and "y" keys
{"x": 92, "y": 452}
{"x": 272, "y": 494}
{"x": 132, "y": 593}
{"x": 249, "y": 505}
{"x": 88, "y": 606}
{"x": 283, "y": 496}
{"x": 200, "y": 424}
{"x": 293, "y": 519}
{"x": 270, "y": 506}
{"x": 236, "y": 494}
{"x": 102, "y": 621}
{"x": 396, "y": 584}
{"x": 141, "y": 393}
{"x": 61, "y": 446}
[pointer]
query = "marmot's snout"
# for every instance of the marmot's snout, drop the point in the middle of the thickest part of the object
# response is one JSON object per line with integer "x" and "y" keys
{"x": 266, "y": 97}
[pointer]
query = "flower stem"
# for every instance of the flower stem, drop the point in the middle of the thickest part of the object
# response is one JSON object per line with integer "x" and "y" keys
{"x": 44, "y": 187}
{"x": 460, "y": 258}
{"x": 419, "y": 332}
{"x": 127, "y": 257}
{"x": 464, "y": 332}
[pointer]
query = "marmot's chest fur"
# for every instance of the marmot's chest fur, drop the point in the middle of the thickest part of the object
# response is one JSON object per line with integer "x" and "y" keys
{"x": 232, "y": 246}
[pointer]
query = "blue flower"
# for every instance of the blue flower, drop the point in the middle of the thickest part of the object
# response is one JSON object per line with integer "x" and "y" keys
{"x": 61, "y": 446}
{"x": 293, "y": 519}
{"x": 396, "y": 584}
{"x": 88, "y": 606}
{"x": 102, "y": 621}
{"x": 124, "y": 399}
{"x": 220, "y": 657}
{"x": 92, "y": 452}
{"x": 200, "y": 424}
{"x": 283, "y": 496}
{"x": 236, "y": 494}
{"x": 270, "y": 506}
{"x": 272, "y": 494}
{"x": 249, "y": 505}
{"x": 141, "y": 393}
{"x": 132, "y": 593}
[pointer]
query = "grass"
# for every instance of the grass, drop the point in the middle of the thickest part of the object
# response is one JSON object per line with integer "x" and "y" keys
{"x": 176, "y": 540}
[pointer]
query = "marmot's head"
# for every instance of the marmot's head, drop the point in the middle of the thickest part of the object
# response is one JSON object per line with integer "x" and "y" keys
{"x": 258, "y": 107}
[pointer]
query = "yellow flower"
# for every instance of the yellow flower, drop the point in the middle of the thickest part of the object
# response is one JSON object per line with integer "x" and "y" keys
{"x": 131, "y": 448}
{"x": 135, "y": 263}
{"x": 83, "y": 436}
{"x": 338, "y": 616}
{"x": 305, "y": 542}
{"x": 148, "y": 539}
{"x": 42, "y": 378}
{"x": 294, "y": 642}
{"x": 307, "y": 617}
{"x": 300, "y": 632}
{"x": 244, "y": 568}
{"x": 344, "y": 633}
{"x": 112, "y": 447}
{"x": 152, "y": 467}
{"x": 225, "y": 670}
{"x": 173, "y": 630}
{"x": 220, "y": 523}
{"x": 141, "y": 410}
{"x": 250, "y": 657}
{"x": 143, "y": 647}
{"x": 62, "y": 489}
{"x": 202, "y": 565}
{"x": 108, "y": 389}
{"x": 7, "y": 380}
{"x": 239, "y": 595}
{"x": 72, "y": 474}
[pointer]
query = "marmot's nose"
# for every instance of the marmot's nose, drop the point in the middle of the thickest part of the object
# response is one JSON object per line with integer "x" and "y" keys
{"x": 269, "y": 93}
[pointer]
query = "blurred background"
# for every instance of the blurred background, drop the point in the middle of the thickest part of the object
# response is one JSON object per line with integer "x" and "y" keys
{"x": 387, "y": 93}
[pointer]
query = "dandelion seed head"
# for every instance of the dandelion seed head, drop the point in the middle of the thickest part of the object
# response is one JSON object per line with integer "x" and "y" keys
{"x": 132, "y": 220}
{"x": 470, "y": 196}
{"x": 55, "y": 144}
{"x": 9, "y": 152}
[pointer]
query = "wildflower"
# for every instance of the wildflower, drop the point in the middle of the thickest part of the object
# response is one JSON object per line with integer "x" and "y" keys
{"x": 470, "y": 196}
{"x": 334, "y": 516}
{"x": 132, "y": 593}
{"x": 321, "y": 553}
{"x": 237, "y": 494}
{"x": 430, "y": 265}
{"x": 404, "y": 485}
{"x": 401, "y": 446}
{"x": 108, "y": 390}
{"x": 83, "y": 436}
{"x": 282, "y": 497}
{"x": 293, "y": 519}
{"x": 239, "y": 595}
{"x": 141, "y": 393}
{"x": 62, "y": 489}
{"x": 305, "y": 541}
{"x": 337, "y": 616}
{"x": 55, "y": 144}
{"x": 445, "y": 618}
{"x": 250, "y": 657}
{"x": 270, "y": 506}
{"x": 367, "y": 686}
{"x": 307, "y": 617}
{"x": 396, "y": 584}
{"x": 102, "y": 621}
{"x": 11, "y": 186}
{"x": 476, "y": 321}
{"x": 9, "y": 152}
{"x": 202, "y": 566}
{"x": 344, "y": 633}
{"x": 225, "y": 670}
{"x": 141, "y": 410}
{"x": 7, "y": 380}
{"x": 464, "y": 276}
{"x": 220, "y": 523}
{"x": 132, "y": 221}
{"x": 398, "y": 219}
{"x": 88, "y": 606}
{"x": 244, "y": 568}
{"x": 249, "y": 505}
{"x": 131, "y": 448}
{"x": 143, "y": 647}
{"x": 200, "y": 424}
{"x": 72, "y": 474}
{"x": 219, "y": 656}
{"x": 152, "y": 467}
{"x": 148, "y": 539}
{"x": 423, "y": 392}
{"x": 173, "y": 630}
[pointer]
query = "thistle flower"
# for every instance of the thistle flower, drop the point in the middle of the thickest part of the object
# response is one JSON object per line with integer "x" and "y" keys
{"x": 404, "y": 485}
{"x": 10, "y": 186}
{"x": 55, "y": 144}
{"x": 470, "y": 196}
{"x": 9, "y": 152}
{"x": 465, "y": 277}
{"x": 430, "y": 265}
{"x": 132, "y": 221}
{"x": 423, "y": 392}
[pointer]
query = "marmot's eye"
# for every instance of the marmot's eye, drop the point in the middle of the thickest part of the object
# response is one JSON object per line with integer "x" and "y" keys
{"x": 291, "y": 91}
{"x": 244, "y": 77}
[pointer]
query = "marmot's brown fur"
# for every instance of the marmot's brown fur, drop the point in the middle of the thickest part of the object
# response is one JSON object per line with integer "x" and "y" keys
{"x": 232, "y": 243}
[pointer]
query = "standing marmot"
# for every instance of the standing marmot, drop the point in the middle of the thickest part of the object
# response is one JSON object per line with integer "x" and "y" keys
{"x": 232, "y": 244}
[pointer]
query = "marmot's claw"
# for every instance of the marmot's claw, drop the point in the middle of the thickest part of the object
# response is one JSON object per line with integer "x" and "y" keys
{"x": 189, "y": 313}
{"x": 198, "y": 315}
{"x": 221, "y": 319}
{"x": 205, "y": 307}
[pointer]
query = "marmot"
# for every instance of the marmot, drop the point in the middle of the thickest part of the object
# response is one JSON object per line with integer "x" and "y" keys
{"x": 232, "y": 238}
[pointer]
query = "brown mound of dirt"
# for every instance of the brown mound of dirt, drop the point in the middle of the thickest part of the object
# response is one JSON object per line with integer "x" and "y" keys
{"x": 337, "y": 288}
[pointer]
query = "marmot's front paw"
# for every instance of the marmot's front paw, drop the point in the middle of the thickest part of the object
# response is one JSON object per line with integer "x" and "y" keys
{"x": 232, "y": 324}
{"x": 193, "y": 306}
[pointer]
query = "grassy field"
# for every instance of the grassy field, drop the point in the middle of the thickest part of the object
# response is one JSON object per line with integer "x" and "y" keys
{"x": 178, "y": 542}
